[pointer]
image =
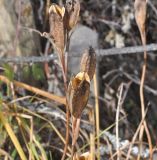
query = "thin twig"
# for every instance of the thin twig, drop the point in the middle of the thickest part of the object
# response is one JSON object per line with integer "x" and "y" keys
{"x": 66, "y": 92}
{"x": 99, "y": 52}
{"x": 117, "y": 120}
{"x": 152, "y": 6}
{"x": 144, "y": 126}
{"x": 135, "y": 135}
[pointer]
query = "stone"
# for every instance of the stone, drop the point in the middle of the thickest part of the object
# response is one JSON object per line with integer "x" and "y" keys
{"x": 81, "y": 39}
{"x": 25, "y": 43}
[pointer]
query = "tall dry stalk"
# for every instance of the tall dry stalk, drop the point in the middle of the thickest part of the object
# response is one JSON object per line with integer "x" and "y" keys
{"x": 78, "y": 91}
{"x": 140, "y": 7}
{"x": 62, "y": 20}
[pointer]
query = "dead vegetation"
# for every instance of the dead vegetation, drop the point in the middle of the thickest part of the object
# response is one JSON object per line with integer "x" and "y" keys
{"x": 107, "y": 110}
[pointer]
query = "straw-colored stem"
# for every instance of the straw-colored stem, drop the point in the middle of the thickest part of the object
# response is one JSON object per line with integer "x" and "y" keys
{"x": 97, "y": 114}
{"x": 92, "y": 135}
{"x": 35, "y": 90}
{"x": 144, "y": 126}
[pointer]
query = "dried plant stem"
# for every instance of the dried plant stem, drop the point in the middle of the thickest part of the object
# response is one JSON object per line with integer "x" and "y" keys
{"x": 67, "y": 51}
{"x": 67, "y": 107}
{"x": 92, "y": 135}
{"x": 135, "y": 136}
{"x": 64, "y": 72}
{"x": 15, "y": 141}
{"x": 144, "y": 126}
{"x": 46, "y": 12}
{"x": 75, "y": 134}
{"x": 97, "y": 114}
{"x": 117, "y": 121}
{"x": 67, "y": 131}
{"x": 35, "y": 90}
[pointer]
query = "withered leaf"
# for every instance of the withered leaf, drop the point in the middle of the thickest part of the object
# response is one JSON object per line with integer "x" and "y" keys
{"x": 78, "y": 93}
{"x": 72, "y": 10}
{"x": 88, "y": 62}
{"x": 57, "y": 30}
{"x": 140, "y": 7}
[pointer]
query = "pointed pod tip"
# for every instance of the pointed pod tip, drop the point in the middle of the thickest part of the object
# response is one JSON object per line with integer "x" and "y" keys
{"x": 83, "y": 75}
{"x": 91, "y": 50}
{"x": 54, "y": 8}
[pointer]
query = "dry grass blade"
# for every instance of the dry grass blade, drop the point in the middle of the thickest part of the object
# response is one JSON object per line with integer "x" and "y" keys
{"x": 49, "y": 122}
{"x": 97, "y": 113}
{"x": 135, "y": 136}
{"x": 35, "y": 90}
{"x": 4, "y": 153}
{"x": 13, "y": 137}
{"x": 92, "y": 135}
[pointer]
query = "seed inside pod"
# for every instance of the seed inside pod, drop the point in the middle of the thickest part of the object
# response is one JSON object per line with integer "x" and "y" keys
{"x": 88, "y": 62}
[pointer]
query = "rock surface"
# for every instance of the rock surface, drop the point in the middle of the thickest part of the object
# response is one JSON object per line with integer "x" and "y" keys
{"x": 81, "y": 39}
{"x": 16, "y": 41}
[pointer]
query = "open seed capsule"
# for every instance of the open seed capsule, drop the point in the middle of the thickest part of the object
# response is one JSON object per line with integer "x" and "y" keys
{"x": 72, "y": 10}
{"x": 78, "y": 93}
{"x": 57, "y": 30}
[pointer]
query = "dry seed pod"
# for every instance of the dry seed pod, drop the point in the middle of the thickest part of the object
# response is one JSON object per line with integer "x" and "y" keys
{"x": 78, "y": 93}
{"x": 72, "y": 10}
{"x": 88, "y": 62}
{"x": 57, "y": 30}
{"x": 140, "y": 7}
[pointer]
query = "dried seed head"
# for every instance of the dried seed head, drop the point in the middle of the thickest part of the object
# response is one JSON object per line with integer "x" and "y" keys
{"x": 140, "y": 7}
{"x": 72, "y": 10}
{"x": 88, "y": 62}
{"x": 57, "y": 30}
{"x": 78, "y": 93}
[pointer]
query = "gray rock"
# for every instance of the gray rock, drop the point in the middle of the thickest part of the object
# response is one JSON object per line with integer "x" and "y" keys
{"x": 27, "y": 43}
{"x": 81, "y": 39}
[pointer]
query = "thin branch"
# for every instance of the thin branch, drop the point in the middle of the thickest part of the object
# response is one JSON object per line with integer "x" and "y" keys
{"x": 99, "y": 52}
{"x": 126, "y": 50}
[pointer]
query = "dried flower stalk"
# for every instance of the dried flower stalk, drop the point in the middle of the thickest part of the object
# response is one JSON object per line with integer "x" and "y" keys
{"x": 78, "y": 91}
{"x": 78, "y": 94}
{"x": 140, "y": 7}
